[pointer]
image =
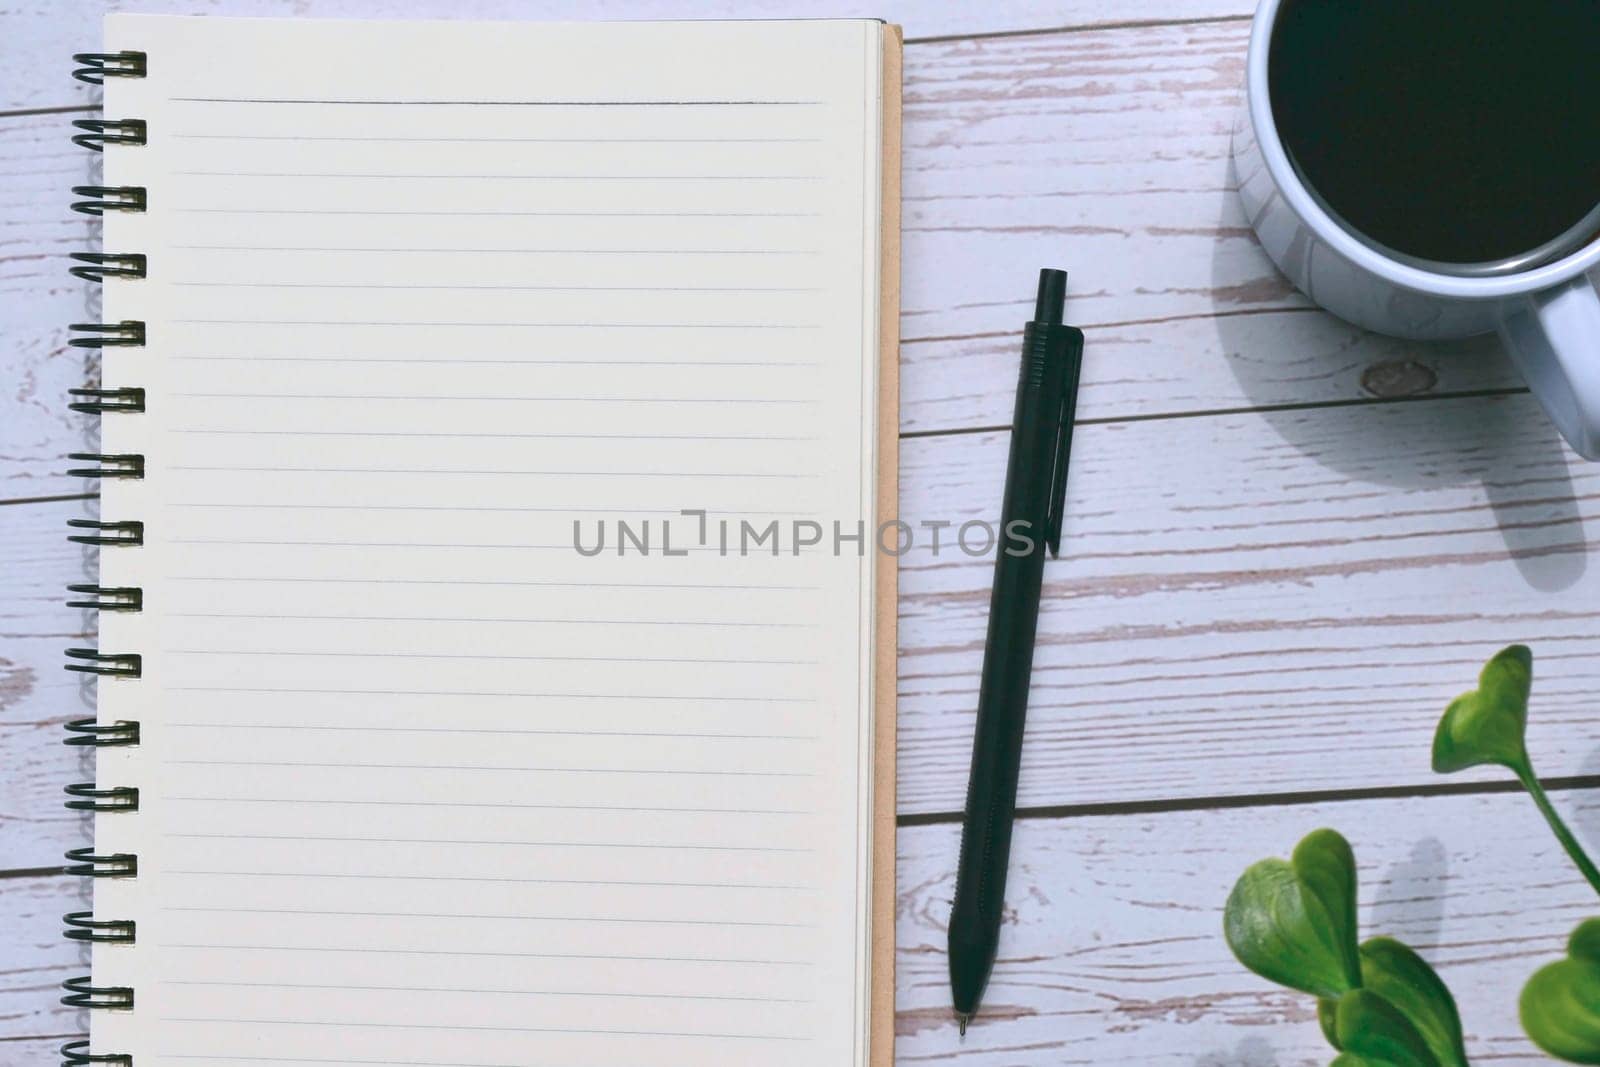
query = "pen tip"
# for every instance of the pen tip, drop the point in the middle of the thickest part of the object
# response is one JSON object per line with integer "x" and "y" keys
{"x": 961, "y": 1021}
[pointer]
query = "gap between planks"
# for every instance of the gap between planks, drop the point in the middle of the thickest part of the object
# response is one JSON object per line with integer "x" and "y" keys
{"x": 1114, "y": 809}
{"x": 1576, "y": 783}
{"x": 958, "y": 431}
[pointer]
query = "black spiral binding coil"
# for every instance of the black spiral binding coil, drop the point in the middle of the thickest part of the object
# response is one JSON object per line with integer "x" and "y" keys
{"x": 83, "y": 926}
{"x": 96, "y": 67}
{"x": 129, "y": 534}
{"x": 81, "y": 993}
{"x": 107, "y": 597}
{"x": 101, "y": 401}
{"x": 104, "y": 198}
{"x": 87, "y": 863}
{"x": 92, "y": 733}
{"x": 87, "y": 797}
{"x": 97, "y": 133}
{"x": 77, "y": 1054}
{"x": 107, "y": 465}
{"x": 98, "y": 267}
{"x": 125, "y": 334}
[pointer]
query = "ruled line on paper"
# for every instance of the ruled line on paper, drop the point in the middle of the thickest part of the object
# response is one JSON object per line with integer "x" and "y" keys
{"x": 367, "y": 876}
{"x": 345, "y": 765}
{"x": 504, "y": 398}
{"x": 494, "y": 140}
{"x": 241, "y": 469}
{"x": 508, "y": 992}
{"x": 682, "y": 735}
{"x": 476, "y": 693}
{"x": 511, "y": 955}
{"x": 473, "y": 842}
{"x": 523, "y": 547}
{"x": 501, "y": 103}
{"x": 482, "y": 656}
{"x": 697, "y": 698}
{"x": 481, "y": 323}
{"x": 392, "y": 176}
{"x": 496, "y": 621}
{"x": 230, "y": 910}
{"x": 439, "y": 287}
{"x": 589, "y": 509}
{"x": 474, "y": 362}
{"x": 519, "y": 251}
{"x": 503, "y": 214}
{"x": 457, "y": 1028}
{"x": 559, "y": 509}
{"x": 609, "y": 808}
{"x": 487, "y": 581}
{"x": 215, "y": 1056}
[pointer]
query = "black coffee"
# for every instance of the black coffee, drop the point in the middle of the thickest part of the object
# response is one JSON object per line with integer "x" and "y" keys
{"x": 1460, "y": 131}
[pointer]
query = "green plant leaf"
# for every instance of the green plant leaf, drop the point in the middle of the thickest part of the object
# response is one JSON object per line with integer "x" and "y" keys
{"x": 1561, "y": 1003}
{"x": 1294, "y": 922}
{"x": 1487, "y": 725}
{"x": 1403, "y": 978}
{"x": 1328, "y": 1019}
{"x": 1585, "y": 941}
{"x": 1374, "y": 1029}
{"x": 1350, "y": 1059}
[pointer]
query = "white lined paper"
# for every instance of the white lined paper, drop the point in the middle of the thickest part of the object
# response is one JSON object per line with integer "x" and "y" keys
{"x": 420, "y": 783}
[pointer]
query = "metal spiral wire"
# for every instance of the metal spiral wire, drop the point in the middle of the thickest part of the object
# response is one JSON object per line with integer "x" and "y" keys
{"x": 109, "y": 801}
{"x": 97, "y": 133}
{"x": 96, "y": 67}
{"x": 128, "y": 534}
{"x": 83, "y": 926}
{"x": 98, "y": 266}
{"x": 103, "y": 198}
{"x": 77, "y": 1054}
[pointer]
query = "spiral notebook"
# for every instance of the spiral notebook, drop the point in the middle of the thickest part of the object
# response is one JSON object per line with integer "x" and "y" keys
{"x": 496, "y": 423}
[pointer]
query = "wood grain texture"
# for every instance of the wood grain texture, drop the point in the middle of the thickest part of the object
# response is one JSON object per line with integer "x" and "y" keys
{"x": 1019, "y": 151}
{"x": 38, "y": 167}
{"x": 1112, "y": 949}
{"x": 37, "y": 960}
{"x": 41, "y": 35}
{"x": 1241, "y": 595}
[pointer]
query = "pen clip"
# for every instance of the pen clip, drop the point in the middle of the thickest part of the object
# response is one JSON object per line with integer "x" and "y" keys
{"x": 1066, "y": 416}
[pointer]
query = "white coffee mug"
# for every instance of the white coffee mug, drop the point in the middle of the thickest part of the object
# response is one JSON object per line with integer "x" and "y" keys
{"x": 1548, "y": 316}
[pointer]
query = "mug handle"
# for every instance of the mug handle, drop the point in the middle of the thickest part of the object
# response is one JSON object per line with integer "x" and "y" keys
{"x": 1554, "y": 338}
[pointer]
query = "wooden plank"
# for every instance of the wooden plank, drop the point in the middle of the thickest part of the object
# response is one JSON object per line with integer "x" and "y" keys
{"x": 1112, "y": 949}
{"x": 1237, "y": 590}
{"x": 36, "y": 695}
{"x": 999, "y": 179}
{"x": 38, "y": 959}
{"x": 38, "y": 167}
{"x": 36, "y": 698}
{"x": 42, "y": 34}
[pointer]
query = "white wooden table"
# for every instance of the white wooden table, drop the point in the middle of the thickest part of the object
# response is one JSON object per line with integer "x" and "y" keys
{"x": 1290, "y": 543}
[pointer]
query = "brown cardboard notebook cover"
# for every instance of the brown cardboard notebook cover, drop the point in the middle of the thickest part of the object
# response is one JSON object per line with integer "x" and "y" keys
{"x": 885, "y": 679}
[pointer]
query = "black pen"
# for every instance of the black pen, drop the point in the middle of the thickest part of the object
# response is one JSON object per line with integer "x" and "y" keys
{"x": 1030, "y": 518}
